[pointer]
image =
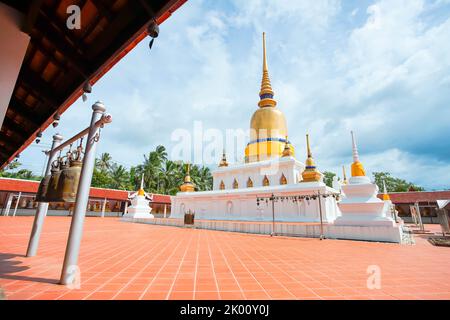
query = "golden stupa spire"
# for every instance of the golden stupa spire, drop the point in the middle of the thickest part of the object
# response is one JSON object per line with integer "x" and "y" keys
{"x": 223, "y": 162}
{"x": 357, "y": 166}
{"x": 311, "y": 173}
{"x": 266, "y": 93}
{"x": 141, "y": 191}
{"x": 287, "y": 152}
{"x": 188, "y": 185}
{"x": 386, "y": 196}
{"x": 344, "y": 175}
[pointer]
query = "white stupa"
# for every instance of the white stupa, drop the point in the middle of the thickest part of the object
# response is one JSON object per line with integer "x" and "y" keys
{"x": 362, "y": 208}
{"x": 140, "y": 207}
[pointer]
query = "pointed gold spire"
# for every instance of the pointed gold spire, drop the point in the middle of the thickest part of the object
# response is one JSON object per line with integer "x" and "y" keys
{"x": 311, "y": 173}
{"x": 188, "y": 185}
{"x": 386, "y": 196}
{"x": 287, "y": 152}
{"x": 141, "y": 191}
{"x": 357, "y": 166}
{"x": 344, "y": 175}
{"x": 266, "y": 93}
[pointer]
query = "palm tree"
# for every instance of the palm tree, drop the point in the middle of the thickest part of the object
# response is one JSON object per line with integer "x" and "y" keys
{"x": 104, "y": 162}
{"x": 119, "y": 177}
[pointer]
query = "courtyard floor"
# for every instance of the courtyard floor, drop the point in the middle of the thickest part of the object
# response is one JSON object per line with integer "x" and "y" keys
{"x": 121, "y": 260}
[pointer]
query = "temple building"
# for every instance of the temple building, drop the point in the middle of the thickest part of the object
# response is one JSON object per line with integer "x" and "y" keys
{"x": 270, "y": 167}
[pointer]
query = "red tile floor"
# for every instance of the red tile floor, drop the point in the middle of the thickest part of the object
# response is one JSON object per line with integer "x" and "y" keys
{"x": 136, "y": 261}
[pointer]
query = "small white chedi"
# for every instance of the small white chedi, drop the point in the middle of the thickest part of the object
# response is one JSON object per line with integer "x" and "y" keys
{"x": 361, "y": 207}
{"x": 140, "y": 207}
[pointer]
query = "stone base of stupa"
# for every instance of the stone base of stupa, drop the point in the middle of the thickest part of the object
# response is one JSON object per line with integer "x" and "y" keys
{"x": 363, "y": 215}
{"x": 138, "y": 215}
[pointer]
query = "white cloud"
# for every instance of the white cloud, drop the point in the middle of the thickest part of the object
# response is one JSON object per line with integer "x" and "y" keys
{"x": 386, "y": 77}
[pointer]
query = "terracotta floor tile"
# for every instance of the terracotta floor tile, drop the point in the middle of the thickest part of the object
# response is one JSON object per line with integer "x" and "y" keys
{"x": 131, "y": 261}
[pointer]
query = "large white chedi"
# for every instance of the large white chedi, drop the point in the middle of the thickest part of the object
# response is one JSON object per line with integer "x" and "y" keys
{"x": 270, "y": 168}
{"x": 140, "y": 204}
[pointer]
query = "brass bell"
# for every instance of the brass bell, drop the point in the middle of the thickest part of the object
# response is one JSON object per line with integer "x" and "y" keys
{"x": 52, "y": 190}
{"x": 41, "y": 194}
{"x": 70, "y": 177}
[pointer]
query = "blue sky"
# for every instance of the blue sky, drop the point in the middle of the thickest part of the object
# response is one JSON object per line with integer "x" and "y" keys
{"x": 380, "y": 68}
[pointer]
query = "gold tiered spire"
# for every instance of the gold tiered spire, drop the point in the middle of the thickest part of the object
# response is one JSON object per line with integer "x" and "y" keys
{"x": 357, "y": 166}
{"x": 223, "y": 162}
{"x": 311, "y": 173}
{"x": 188, "y": 185}
{"x": 287, "y": 152}
{"x": 386, "y": 196}
{"x": 141, "y": 191}
{"x": 266, "y": 93}
{"x": 345, "y": 176}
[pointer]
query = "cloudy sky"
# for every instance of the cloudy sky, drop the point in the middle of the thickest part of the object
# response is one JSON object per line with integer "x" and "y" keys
{"x": 380, "y": 68}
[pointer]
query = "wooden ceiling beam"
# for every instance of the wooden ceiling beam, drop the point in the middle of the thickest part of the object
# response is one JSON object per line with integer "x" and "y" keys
{"x": 17, "y": 129}
{"x": 22, "y": 109}
{"x": 103, "y": 9}
{"x": 34, "y": 82}
{"x": 60, "y": 43}
{"x": 32, "y": 15}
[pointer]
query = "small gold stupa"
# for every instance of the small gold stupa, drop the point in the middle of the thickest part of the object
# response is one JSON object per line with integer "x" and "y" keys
{"x": 386, "y": 196}
{"x": 344, "y": 181}
{"x": 311, "y": 174}
{"x": 287, "y": 152}
{"x": 188, "y": 185}
{"x": 223, "y": 162}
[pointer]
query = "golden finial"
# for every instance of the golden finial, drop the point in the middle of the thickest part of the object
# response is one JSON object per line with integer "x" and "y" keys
{"x": 141, "y": 191}
{"x": 266, "y": 93}
{"x": 223, "y": 162}
{"x": 311, "y": 173}
{"x": 357, "y": 166}
{"x": 386, "y": 196}
{"x": 287, "y": 152}
{"x": 187, "y": 186}
{"x": 345, "y": 175}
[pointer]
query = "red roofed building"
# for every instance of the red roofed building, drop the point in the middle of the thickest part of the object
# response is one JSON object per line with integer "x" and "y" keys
{"x": 18, "y": 195}
{"x": 426, "y": 200}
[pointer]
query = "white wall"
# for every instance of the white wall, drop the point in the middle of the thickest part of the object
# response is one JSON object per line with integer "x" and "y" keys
{"x": 14, "y": 45}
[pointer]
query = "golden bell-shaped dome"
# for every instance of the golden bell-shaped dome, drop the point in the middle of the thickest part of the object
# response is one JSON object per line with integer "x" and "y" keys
{"x": 268, "y": 127}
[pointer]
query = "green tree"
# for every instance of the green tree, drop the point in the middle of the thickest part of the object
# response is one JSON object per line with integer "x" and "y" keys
{"x": 394, "y": 184}
{"x": 328, "y": 178}
{"x": 9, "y": 172}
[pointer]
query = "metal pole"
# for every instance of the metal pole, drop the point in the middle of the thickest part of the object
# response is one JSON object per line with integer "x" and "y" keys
{"x": 273, "y": 214}
{"x": 320, "y": 212}
{"x": 70, "y": 266}
{"x": 42, "y": 208}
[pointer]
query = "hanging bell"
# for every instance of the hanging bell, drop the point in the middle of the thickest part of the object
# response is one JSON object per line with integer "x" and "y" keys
{"x": 53, "y": 181}
{"x": 41, "y": 194}
{"x": 65, "y": 165}
{"x": 70, "y": 177}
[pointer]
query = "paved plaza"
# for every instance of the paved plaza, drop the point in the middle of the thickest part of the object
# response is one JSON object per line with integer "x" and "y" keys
{"x": 121, "y": 260}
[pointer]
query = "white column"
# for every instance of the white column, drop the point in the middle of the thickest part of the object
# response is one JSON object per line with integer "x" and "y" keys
{"x": 14, "y": 45}
{"x": 165, "y": 210}
{"x": 8, "y": 204}
{"x": 103, "y": 208}
{"x": 17, "y": 204}
{"x": 126, "y": 208}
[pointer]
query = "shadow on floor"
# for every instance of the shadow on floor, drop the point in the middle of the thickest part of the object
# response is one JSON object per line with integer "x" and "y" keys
{"x": 9, "y": 267}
